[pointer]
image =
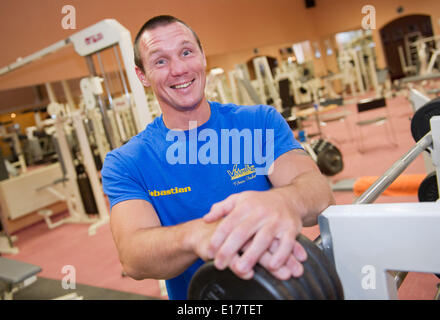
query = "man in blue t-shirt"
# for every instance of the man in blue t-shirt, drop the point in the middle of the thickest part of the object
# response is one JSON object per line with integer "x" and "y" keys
{"x": 205, "y": 180}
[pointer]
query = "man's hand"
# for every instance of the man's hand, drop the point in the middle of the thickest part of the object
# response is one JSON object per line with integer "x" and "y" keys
{"x": 264, "y": 226}
{"x": 200, "y": 238}
{"x": 292, "y": 268}
{"x": 201, "y": 247}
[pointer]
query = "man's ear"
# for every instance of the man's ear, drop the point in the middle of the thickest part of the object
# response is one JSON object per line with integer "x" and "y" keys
{"x": 142, "y": 77}
{"x": 204, "y": 59}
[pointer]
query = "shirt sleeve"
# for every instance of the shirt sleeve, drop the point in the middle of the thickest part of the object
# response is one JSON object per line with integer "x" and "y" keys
{"x": 119, "y": 183}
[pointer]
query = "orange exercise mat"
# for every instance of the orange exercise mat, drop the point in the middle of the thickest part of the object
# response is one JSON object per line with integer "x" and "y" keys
{"x": 404, "y": 185}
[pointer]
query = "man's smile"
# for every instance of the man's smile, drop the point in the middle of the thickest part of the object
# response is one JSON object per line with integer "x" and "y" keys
{"x": 182, "y": 85}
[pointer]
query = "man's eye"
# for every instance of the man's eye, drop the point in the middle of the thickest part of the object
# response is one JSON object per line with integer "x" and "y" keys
{"x": 186, "y": 52}
{"x": 160, "y": 62}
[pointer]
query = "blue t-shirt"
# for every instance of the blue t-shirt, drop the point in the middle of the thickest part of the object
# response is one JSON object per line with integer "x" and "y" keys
{"x": 183, "y": 173}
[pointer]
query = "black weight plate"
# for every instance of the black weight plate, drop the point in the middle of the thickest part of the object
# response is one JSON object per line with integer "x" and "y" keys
{"x": 327, "y": 269}
{"x": 321, "y": 281}
{"x": 420, "y": 122}
{"x": 330, "y": 161}
{"x": 310, "y": 283}
{"x": 321, "y": 145}
{"x": 428, "y": 189}
{"x": 318, "y": 288}
{"x": 304, "y": 287}
{"x": 296, "y": 289}
{"x": 213, "y": 284}
{"x": 320, "y": 277}
{"x": 209, "y": 283}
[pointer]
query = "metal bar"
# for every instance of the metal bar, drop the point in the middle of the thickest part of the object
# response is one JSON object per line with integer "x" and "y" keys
{"x": 106, "y": 83}
{"x": 37, "y": 55}
{"x": 69, "y": 97}
{"x": 396, "y": 169}
{"x": 125, "y": 87}
{"x": 109, "y": 78}
{"x": 74, "y": 202}
{"x": 107, "y": 128}
{"x": 50, "y": 92}
{"x": 121, "y": 74}
{"x": 437, "y": 295}
{"x": 358, "y": 72}
{"x": 420, "y": 78}
{"x": 111, "y": 116}
{"x": 141, "y": 109}
{"x": 399, "y": 277}
{"x": 92, "y": 173}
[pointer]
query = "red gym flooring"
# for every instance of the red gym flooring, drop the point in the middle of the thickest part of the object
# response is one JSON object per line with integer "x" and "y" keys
{"x": 95, "y": 258}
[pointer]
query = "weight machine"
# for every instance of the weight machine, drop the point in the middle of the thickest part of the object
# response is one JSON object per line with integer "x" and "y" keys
{"x": 242, "y": 89}
{"x": 12, "y": 133}
{"x": 74, "y": 123}
{"x": 366, "y": 249}
{"x": 304, "y": 90}
{"x": 92, "y": 40}
{"x": 265, "y": 83}
{"x": 113, "y": 119}
{"x": 215, "y": 86}
{"x": 359, "y": 70}
{"x": 425, "y": 52}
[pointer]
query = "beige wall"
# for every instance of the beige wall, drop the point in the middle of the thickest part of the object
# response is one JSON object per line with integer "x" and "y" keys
{"x": 223, "y": 25}
{"x": 333, "y": 16}
{"x": 229, "y": 29}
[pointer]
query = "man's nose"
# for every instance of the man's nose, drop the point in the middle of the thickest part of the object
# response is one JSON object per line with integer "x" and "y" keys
{"x": 178, "y": 67}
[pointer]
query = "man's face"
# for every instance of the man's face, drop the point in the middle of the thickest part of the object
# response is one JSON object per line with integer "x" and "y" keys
{"x": 174, "y": 66}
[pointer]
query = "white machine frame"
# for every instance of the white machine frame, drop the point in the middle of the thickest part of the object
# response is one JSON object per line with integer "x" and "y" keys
{"x": 365, "y": 254}
{"x": 100, "y": 36}
{"x": 427, "y": 66}
{"x": 95, "y": 38}
{"x": 78, "y": 214}
{"x": 368, "y": 242}
{"x": 266, "y": 80}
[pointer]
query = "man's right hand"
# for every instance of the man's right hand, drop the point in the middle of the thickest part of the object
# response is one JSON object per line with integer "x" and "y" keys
{"x": 201, "y": 246}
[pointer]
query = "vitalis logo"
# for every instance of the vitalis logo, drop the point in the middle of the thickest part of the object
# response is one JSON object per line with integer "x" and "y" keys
{"x": 233, "y": 146}
{"x": 248, "y": 172}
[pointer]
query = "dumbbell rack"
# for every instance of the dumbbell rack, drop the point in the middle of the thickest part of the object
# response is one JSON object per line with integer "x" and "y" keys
{"x": 368, "y": 242}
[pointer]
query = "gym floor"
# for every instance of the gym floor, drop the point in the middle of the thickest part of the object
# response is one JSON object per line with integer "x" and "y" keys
{"x": 95, "y": 258}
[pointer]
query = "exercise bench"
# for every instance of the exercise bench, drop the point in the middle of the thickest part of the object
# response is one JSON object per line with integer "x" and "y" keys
{"x": 15, "y": 275}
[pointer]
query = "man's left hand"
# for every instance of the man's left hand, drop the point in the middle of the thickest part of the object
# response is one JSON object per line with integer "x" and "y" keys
{"x": 265, "y": 223}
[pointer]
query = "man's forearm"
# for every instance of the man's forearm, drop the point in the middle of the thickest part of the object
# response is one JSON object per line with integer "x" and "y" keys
{"x": 309, "y": 194}
{"x": 159, "y": 252}
{"x": 165, "y": 252}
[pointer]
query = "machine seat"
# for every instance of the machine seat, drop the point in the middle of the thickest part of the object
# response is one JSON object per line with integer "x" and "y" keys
{"x": 14, "y": 272}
